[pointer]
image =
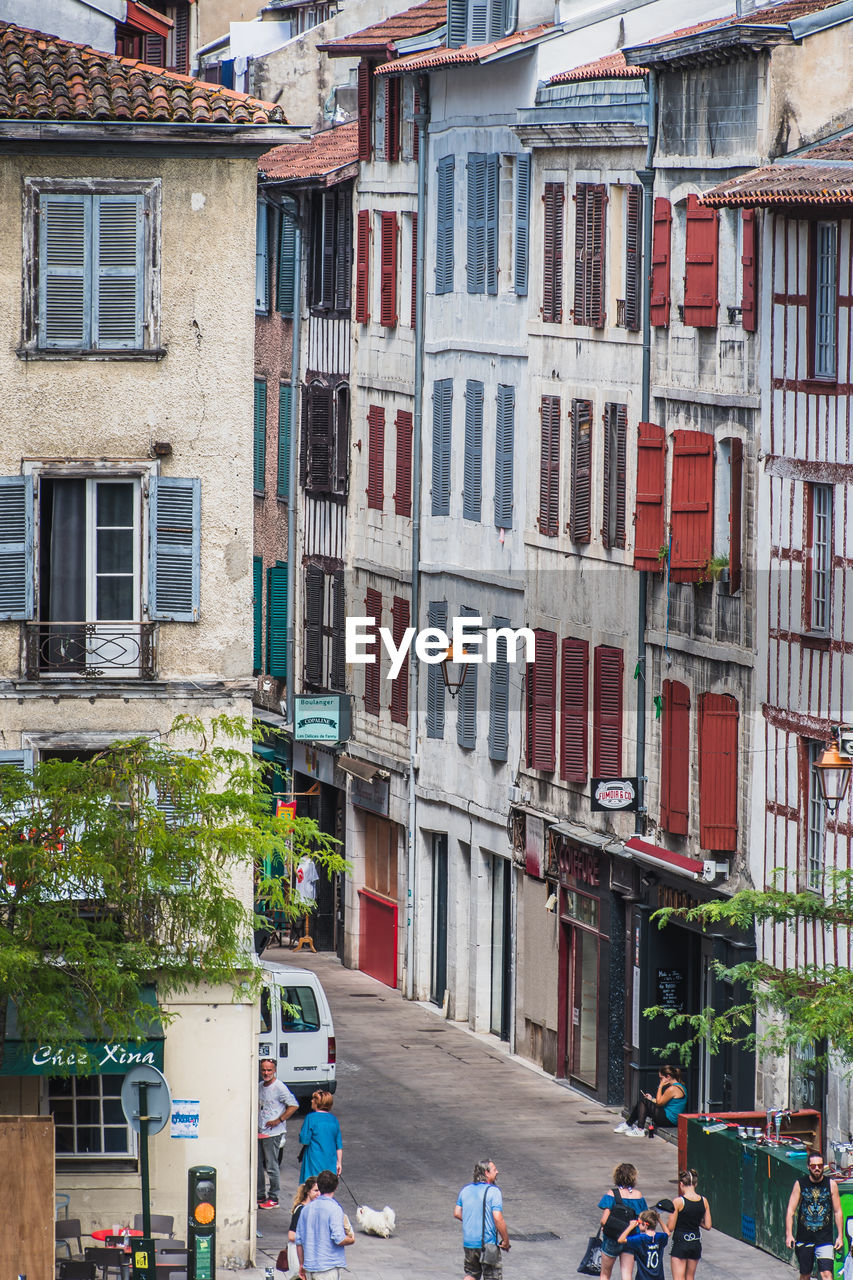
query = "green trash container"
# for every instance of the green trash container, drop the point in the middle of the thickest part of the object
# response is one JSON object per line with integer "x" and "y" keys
{"x": 717, "y": 1157}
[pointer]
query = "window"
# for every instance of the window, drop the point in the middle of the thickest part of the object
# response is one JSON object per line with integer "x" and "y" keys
{"x": 661, "y": 249}
{"x": 552, "y": 259}
{"x": 607, "y": 713}
{"x": 324, "y": 628}
{"x": 442, "y": 416}
{"x": 258, "y": 614}
{"x": 388, "y": 270}
{"x": 260, "y": 442}
{"x": 522, "y": 224}
{"x": 403, "y": 481}
{"x": 504, "y": 451}
{"x": 299, "y": 1009}
{"x": 614, "y": 475}
{"x": 393, "y": 85}
{"x": 675, "y": 758}
{"x": 483, "y": 198}
{"x": 372, "y": 673}
{"x": 410, "y": 106}
{"x": 436, "y": 689}
{"x": 285, "y": 409}
{"x": 375, "y": 457}
{"x": 479, "y": 21}
{"x": 277, "y": 620}
{"x": 330, "y": 250}
{"x": 324, "y": 447}
{"x": 94, "y": 286}
{"x": 590, "y": 204}
{"x": 472, "y": 483}
{"x": 541, "y": 703}
{"x": 574, "y": 703}
{"x": 380, "y": 91}
{"x": 815, "y": 819}
{"x": 88, "y": 1117}
{"x": 287, "y": 264}
{"x": 262, "y": 259}
{"x": 734, "y": 448}
{"x": 380, "y": 855}
{"x": 499, "y": 696}
{"x": 581, "y": 472}
{"x": 649, "y": 522}
{"x": 362, "y": 268}
{"x": 701, "y": 303}
{"x": 749, "y": 267}
{"x": 633, "y": 256}
{"x": 400, "y": 684}
{"x": 549, "y": 467}
{"x": 692, "y": 504}
{"x": 817, "y": 577}
{"x": 466, "y": 701}
{"x": 444, "y": 226}
{"x": 825, "y": 300}
{"x": 718, "y": 752}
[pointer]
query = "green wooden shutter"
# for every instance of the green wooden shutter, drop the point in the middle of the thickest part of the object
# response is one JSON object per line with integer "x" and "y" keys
{"x": 522, "y": 223}
{"x": 16, "y": 548}
{"x": 65, "y": 237}
{"x": 174, "y": 560}
{"x": 504, "y": 451}
{"x": 277, "y": 621}
{"x": 286, "y": 283}
{"x": 119, "y": 267}
{"x": 285, "y": 402}
{"x": 499, "y": 698}
{"x": 260, "y": 449}
{"x": 258, "y": 614}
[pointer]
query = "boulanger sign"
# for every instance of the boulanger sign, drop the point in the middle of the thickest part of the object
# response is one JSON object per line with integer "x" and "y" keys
{"x": 468, "y": 641}
{"x": 325, "y": 719}
{"x": 613, "y": 793}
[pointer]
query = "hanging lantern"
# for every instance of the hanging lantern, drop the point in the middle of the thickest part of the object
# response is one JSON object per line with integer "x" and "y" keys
{"x": 833, "y": 776}
{"x": 453, "y": 683}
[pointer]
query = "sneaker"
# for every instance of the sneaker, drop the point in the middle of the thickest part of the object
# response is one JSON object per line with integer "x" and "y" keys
{"x": 267, "y": 1204}
{"x": 634, "y": 1131}
{"x": 621, "y": 1128}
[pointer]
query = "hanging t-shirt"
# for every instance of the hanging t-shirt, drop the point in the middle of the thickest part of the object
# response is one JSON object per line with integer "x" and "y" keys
{"x": 306, "y": 879}
{"x": 648, "y": 1250}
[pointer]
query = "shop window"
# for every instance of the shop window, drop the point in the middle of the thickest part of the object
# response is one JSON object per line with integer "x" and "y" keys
{"x": 88, "y": 1117}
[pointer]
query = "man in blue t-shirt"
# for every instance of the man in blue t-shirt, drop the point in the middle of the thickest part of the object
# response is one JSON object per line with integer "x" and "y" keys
{"x": 322, "y": 1232}
{"x": 479, "y": 1207}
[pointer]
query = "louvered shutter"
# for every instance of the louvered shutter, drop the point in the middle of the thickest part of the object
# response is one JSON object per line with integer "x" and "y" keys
{"x": 153, "y": 50}
{"x": 65, "y": 299}
{"x": 649, "y": 525}
{"x": 472, "y": 483}
{"x": 718, "y": 754}
{"x": 375, "y": 457}
{"x": 736, "y": 515}
{"x": 614, "y": 468}
{"x": 590, "y": 204}
{"x": 120, "y": 255}
{"x": 633, "y": 256}
{"x": 338, "y": 671}
{"x": 621, "y": 477}
{"x": 692, "y": 504}
{"x": 574, "y": 704}
{"x": 285, "y": 401}
{"x": 286, "y": 281}
{"x": 457, "y": 23}
{"x": 504, "y": 456}
{"x": 499, "y": 697}
{"x": 580, "y": 312}
{"x": 262, "y": 263}
{"x": 476, "y": 212}
{"x": 277, "y": 621}
{"x": 372, "y": 672}
{"x": 606, "y": 475}
{"x": 393, "y": 85}
{"x": 549, "y": 467}
{"x": 749, "y": 265}
{"x": 174, "y": 561}
{"x": 365, "y": 85}
{"x": 661, "y": 249}
{"x": 436, "y": 688}
{"x": 388, "y": 270}
{"x": 607, "y": 713}
{"x": 257, "y": 615}
{"x": 580, "y": 517}
{"x": 541, "y": 703}
{"x": 442, "y": 411}
{"x": 181, "y": 39}
{"x": 552, "y": 253}
{"x": 327, "y": 270}
{"x": 305, "y": 419}
{"x": 466, "y": 702}
{"x": 341, "y": 438}
{"x": 700, "y": 265}
{"x": 597, "y": 299}
{"x": 522, "y": 224}
{"x": 259, "y": 460}
{"x": 319, "y": 437}
{"x": 362, "y": 257}
{"x": 479, "y": 21}
{"x": 444, "y": 226}
{"x": 400, "y": 683}
{"x": 414, "y": 299}
{"x": 403, "y": 477}
{"x": 675, "y": 758}
{"x": 315, "y": 591}
{"x": 343, "y": 249}
{"x": 416, "y": 133}
{"x": 17, "y": 576}
{"x": 21, "y": 760}
{"x": 493, "y": 168}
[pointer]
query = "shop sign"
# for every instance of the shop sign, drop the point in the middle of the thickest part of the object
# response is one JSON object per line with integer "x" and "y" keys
{"x": 613, "y": 793}
{"x": 325, "y": 719}
{"x": 92, "y": 1058}
{"x": 672, "y": 989}
{"x": 677, "y": 899}
{"x": 578, "y": 864}
{"x": 373, "y": 796}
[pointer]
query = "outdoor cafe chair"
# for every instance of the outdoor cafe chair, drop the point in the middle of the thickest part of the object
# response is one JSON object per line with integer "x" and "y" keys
{"x": 75, "y": 1270}
{"x": 65, "y": 1230}
{"x": 161, "y": 1224}
{"x": 108, "y": 1260}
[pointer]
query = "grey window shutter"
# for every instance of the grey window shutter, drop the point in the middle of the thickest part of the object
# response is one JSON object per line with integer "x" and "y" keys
{"x": 472, "y": 491}
{"x": 22, "y": 760}
{"x": 327, "y": 267}
{"x": 262, "y": 273}
{"x": 457, "y": 23}
{"x": 338, "y": 676}
{"x": 499, "y": 699}
{"x": 444, "y": 226}
{"x": 497, "y": 19}
{"x": 442, "y": 414}
{"x": 436, "y": 688}
{"x": 479, "y": 21}
{"x": 493, "y": 170}
{"x": 260, "y": 438}
{"x": 119, "y": 273}
{"x": 466, "y": 702}
{"x": 286, "y": 283}
{"x": 174, "y": 549}
{"x": 65, "y": 299}
{"x": 17, "y": 565}
{"x": 522, "y": 223}
{"x": 504, "y": 450}
{"x": 476, "y": 264}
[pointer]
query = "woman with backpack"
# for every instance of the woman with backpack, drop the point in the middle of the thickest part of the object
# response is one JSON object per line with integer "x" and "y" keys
{"x": 692, "y": 1212}
{"x": 622, "y": 1205}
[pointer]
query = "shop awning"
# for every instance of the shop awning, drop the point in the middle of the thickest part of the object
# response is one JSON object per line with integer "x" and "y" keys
{"x": 91, "y": 1058}
{"x": 654, "y": 855}
{"x": 583, "y": 835}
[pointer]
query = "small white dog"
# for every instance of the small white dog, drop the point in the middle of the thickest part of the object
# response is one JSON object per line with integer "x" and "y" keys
{"x": 374, "y": 1223}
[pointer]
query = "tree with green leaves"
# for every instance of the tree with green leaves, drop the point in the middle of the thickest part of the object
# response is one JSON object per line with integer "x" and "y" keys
{"x": 138, "y": 864}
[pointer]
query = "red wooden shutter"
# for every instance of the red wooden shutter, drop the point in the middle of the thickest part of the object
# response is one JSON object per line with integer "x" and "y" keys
{"x": 735, "y": 514}
{"x": 375, "y": 457}
{"x": 675, "y": 758}
{"x": 718, "y": 750}
{"x": 365, "y": 96}
{"x": 414, "y": 270}
{"x": 388, "y": 270}
{"x": 552, "y": 256}
{"x": 692, "y": 513}
{"x": 400, "y": 683}
{"x": 580, "y": 311}
{"x": 700, "y": 265}
{"x": 581, "y": 471}
{"x": 549, "y": 467}
{"x": 392, "y": 118}
{"x": 607, "y": 713}
{"x": 596, "y": 212}
{"x": 749, "y": 262}
{"x": 633, "y": 257}
{"x": 661, "y": 241}
{"x": 362, "y": 259}
{"x": 372, "y": 672}
{"x": 403, "y": 479}
{"x": 621, "y": 472}
{"x": 181, "y": 39}
{"x": 574, "y": 703}
{"x": 542, "y": 703}
{"x": 649, "y": 530}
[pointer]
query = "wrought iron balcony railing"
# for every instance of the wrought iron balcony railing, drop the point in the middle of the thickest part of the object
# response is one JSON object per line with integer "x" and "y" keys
{"x": 91, "y": 650}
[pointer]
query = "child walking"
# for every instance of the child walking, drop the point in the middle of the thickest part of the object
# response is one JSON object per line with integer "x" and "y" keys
{"x": 646, "y": 1238}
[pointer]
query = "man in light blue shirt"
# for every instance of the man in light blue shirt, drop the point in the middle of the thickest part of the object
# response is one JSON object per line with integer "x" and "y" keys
{"x": 479, "y": 1207}
{"x": 322, "y": 1232}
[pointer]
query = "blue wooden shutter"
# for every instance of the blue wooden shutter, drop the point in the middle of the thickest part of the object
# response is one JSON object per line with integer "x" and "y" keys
{"x": 493, "y": 169}
{"x": 497, "y": 19}
{"x": 442, "y": 413}
{"x": 499, "y": 698}
{"x": 22, "y": 760}
{"x": 286, "y": 283}
{"x": 285, "y": 402}
{"x": 436, "y": 689}
{"x": 466, "y": 701}
{"x": 277, "y": 621}
{"x": 65, "y": 300}
{"x": 174, "y": 561}
{"x": 472, "y": 490}
{"x": 260, "y": 449}
{"x": 476, "y": 265}
{"x": 16, "y": 548}
{"x": 262, "y": 273}
{"x": 444, "y": 226}
{"x": 504, "y": 450}
{"x": 119, "y": 265}
{"x": 522, "y": 223}
{"x": 257, "y": 614}
{"x": 457, "y": 23}
{"x": 479, "y": 21}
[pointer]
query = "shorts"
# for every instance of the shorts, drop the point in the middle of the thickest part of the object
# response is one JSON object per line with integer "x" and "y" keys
{"x": 481, "y": 1270}
{"x": 688, "y": 1248}
{"x": 809, "y": 1252}
{"x": 611, "y": 1248}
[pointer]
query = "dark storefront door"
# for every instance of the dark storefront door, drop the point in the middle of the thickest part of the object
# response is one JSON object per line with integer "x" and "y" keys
{"x": 438, "y": 966}
{"x": 579, "y": 967}
{"x": 501, "y": 952}
{"x": 327, "y": 811}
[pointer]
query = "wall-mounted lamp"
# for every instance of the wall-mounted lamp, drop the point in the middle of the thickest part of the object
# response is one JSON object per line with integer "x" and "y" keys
{"x": 833, "y": 775}
{"x": 453, "y": 683}
{"x": 551, "y": 904}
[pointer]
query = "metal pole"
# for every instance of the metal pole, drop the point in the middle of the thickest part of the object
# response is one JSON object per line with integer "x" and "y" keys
{"x": 290, "y": 663}
{"x": 143, "y": 1159}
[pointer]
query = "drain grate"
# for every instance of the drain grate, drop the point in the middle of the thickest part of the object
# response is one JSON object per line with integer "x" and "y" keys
{"x": 534, "y": 1237}
{"x": 365, "y": 995}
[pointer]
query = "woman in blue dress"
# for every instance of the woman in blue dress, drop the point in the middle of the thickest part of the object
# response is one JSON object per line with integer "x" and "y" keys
{"x": 320, "y": 1136}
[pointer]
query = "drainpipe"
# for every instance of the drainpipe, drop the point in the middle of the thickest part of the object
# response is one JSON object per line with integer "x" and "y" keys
{"x": 647, "y": 178}
{"x": 292, "y": 474}
{"x": 421, "y": 123}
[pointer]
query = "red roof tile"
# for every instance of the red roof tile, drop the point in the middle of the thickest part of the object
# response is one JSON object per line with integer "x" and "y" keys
{"x": 768, "y": 15}
{"x": 44, "y": 78}
{"x": 383, "y": 37}
{"x": 324, "y": 154}
{"x": 611, "y": 67}
{"x": 444, "y": 57}
{"x": 808, "y": 178}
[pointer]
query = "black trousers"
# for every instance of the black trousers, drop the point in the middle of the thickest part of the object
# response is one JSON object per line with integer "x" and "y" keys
{"x": 646, "y": 1110}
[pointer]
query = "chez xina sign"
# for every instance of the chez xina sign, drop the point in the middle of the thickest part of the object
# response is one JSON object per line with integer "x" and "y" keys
{"x": 92, "y": 1058}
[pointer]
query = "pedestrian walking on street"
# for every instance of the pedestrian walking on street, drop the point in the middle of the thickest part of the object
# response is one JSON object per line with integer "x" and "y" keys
{"x": 815, "y": 1203}
{"x": 692, "y": 1214}
{"x": 662, "y": 1110}
{"x": 622, "y": 1205}
{"x": 479, "y": 1207}
{"x": 320, "y": 1135}
{"x": 275, "y": 1106}
{"x": 322, "y": 1233}
{"x": 646, "y": 1240}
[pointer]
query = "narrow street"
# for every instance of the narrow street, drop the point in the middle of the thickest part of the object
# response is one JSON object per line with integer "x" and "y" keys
{"x": 419, "y": 1101}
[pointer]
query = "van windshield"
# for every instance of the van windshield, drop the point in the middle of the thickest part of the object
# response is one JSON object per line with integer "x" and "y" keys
{"x": 302, "y": 1014}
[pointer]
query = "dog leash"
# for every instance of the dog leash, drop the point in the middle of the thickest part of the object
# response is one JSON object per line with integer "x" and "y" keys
{"x": 355, "y": 1201}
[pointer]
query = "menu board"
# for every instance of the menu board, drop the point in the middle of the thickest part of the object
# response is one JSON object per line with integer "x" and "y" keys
{"x": 672, "y": 989}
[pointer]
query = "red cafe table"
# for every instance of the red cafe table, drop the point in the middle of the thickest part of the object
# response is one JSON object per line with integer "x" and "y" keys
{"x": 102, "y": 1233}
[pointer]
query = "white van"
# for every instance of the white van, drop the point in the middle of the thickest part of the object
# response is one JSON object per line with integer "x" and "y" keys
{"x": 301, "y": 1039}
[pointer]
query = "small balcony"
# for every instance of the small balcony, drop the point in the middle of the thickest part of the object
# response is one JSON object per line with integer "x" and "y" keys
{"x": 90, "y": 650}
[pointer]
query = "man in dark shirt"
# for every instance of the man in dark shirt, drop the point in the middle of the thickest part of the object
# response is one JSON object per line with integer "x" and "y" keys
{"x": 814, "y": 1200}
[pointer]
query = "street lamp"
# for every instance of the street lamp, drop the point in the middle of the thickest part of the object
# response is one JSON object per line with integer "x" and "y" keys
{"x": 453, "y": 684}
{"x": 833, "y": 775}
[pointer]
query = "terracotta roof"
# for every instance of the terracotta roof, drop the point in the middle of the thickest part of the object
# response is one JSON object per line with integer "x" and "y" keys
{"x": 325, "y": 153}
{"x": 44, "y": 78}
{"x": 823, "y": 174}
{"x": 611, "y": 67}
{"x": 769, "y": 15}
{"x": 383, "y": 37}
{"x": 444, "y": 57}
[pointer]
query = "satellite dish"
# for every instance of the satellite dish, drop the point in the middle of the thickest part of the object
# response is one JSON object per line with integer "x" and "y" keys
{"x": 158, "y": 1099}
